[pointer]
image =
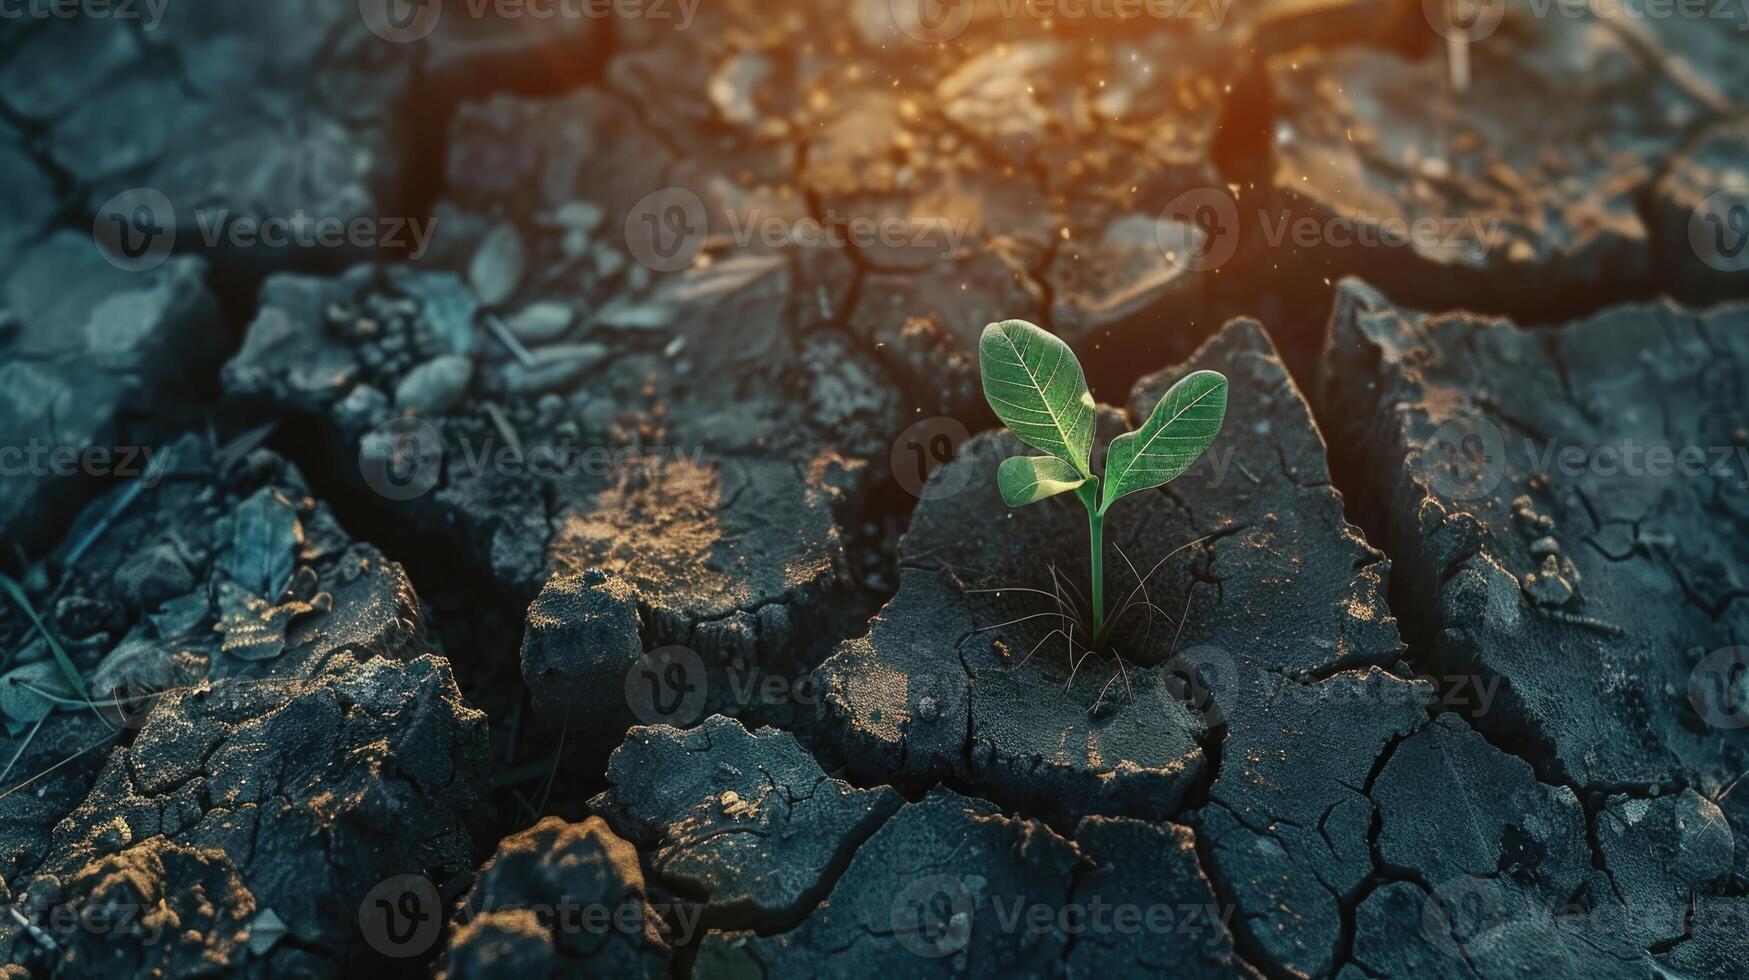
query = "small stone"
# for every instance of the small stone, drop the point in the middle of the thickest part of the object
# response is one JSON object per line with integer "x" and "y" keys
{"x": 435, "y": 387}
{"x": 1548, "y": 587}
{"x": 581, "y": 215}
{"x": 608, "y": 262}
{"x": 540, "y": 323}
{"x": 497, "y": 268}
{"x": 151, "y": 576}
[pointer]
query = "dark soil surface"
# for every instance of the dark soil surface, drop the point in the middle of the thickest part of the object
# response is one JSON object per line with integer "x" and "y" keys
{"x": 572, "y": 547}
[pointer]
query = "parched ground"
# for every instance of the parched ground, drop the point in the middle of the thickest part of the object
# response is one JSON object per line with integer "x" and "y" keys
{"x": 500, "y": 490}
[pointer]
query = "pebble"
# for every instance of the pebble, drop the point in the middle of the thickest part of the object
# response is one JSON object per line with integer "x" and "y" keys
{"x": 434, "y": 387}
{"x": 498, "y": 266}
{"x": 540, "y": 323}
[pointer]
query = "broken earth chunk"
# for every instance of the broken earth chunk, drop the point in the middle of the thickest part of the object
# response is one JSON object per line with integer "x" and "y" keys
{"x": 1148, "y": 874}
{"x": 88, "y": 350}
{"x": 747, "y": 824}
{"x": 1558, "y": 502}
{"x": 559, "y": 900}
{"x": 158, "y": 907}
{"x": 290, "y": 743}
{"x": 1287, "y": 584}
{"x": 1521, "y": 840}
{"x": 1521, "y": 188}
{"x": 1658, "y": 855}
{"x": 950, "y": 885}
{"x": 1519, "y": 885}
{"x": 1288, "y": 827}
{"x": 302, "y": 112}
{"x": 949, "y": 879}
{"x": 297, "y": 794}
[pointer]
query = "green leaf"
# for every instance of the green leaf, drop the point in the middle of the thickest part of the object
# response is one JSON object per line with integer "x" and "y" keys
{"x": 1178, "y": 432}
{"x": 1036, "y": 387}
{"x": 68, "y": 671}
{"x": 1029, "y": 479}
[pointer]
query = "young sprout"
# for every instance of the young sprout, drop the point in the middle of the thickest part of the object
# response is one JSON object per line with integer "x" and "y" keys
{"x": 1036, "y": 387}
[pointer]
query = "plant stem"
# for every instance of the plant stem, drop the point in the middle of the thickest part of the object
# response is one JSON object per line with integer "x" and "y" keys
{"x": 1096, "y": 532}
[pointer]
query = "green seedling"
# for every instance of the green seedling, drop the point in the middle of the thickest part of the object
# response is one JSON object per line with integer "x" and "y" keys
{"x": 1037, "y": 388}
